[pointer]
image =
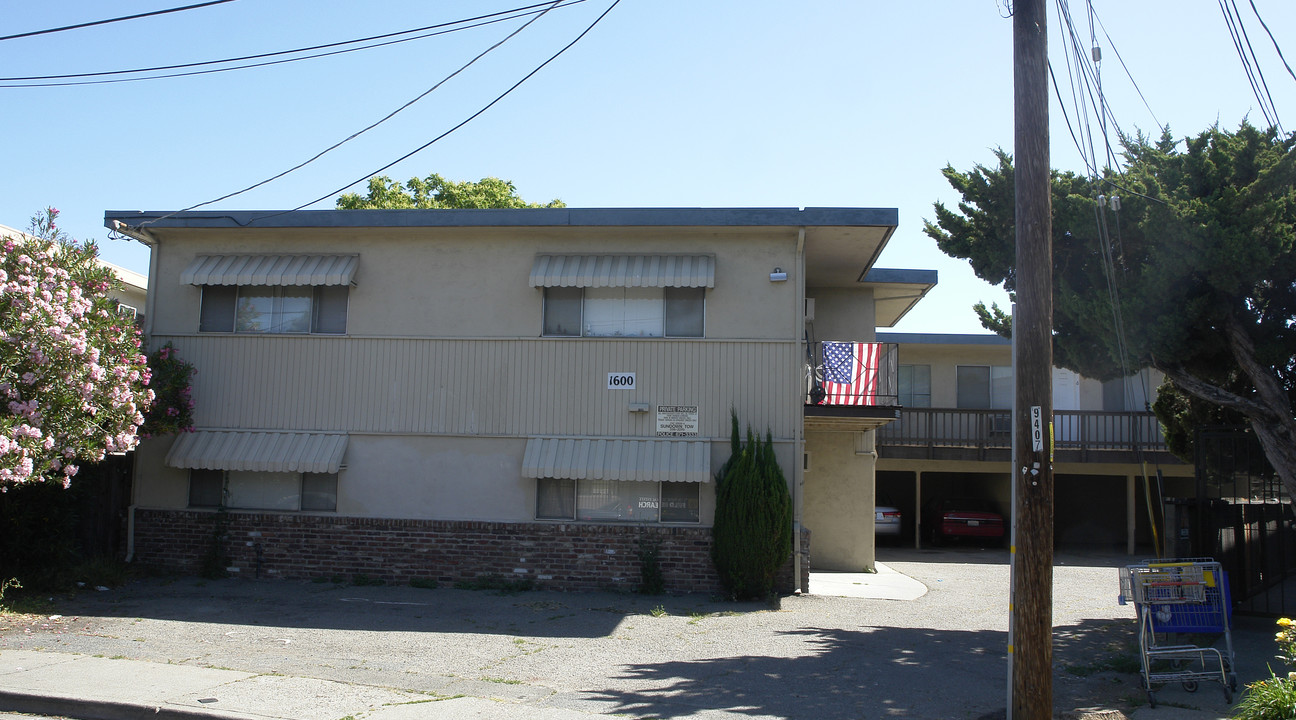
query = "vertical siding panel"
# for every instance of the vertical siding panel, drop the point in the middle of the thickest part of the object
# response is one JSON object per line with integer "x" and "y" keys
{"x": 501, "y": 353}
{"x": 465, "y": 392}
{"x": 308, "y": 386}
{"x": 299, "y": 373}
{"x": 485, "y": 360}
{"x": 427, "y": 349}
{"x": 454, "y": 405}
{"x": 491, "y": 386}
{"x": 404, "y": 386}
{"x": 527, "y": 374}
{"x": 367, "y": 398}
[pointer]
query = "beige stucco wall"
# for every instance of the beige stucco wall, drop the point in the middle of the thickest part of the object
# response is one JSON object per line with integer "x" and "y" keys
{"x": 842, "y": 314}
{"x": 839, "y": 500}
{"x": 472, "y": 282}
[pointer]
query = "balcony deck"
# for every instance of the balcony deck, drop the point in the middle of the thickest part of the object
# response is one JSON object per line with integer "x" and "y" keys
{"x": 851, "y": 386}
{"x": 986, "y": 435}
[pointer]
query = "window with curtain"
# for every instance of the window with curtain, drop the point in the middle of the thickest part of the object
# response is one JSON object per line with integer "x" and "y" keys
{"x": 274, "y": 309}
{"x": 618, "y": 501}
{"x": 915, "y": 386}
{"x": 624, "y": 312}
{"x": 263, "y": 490}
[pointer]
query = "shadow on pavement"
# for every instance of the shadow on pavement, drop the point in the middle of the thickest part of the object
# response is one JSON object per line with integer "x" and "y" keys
{"x": 883, "y": 672}
{"x": 326, "y": 606}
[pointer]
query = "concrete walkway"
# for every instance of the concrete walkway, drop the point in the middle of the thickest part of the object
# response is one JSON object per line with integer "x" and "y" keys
{"x": 885, "y": 584}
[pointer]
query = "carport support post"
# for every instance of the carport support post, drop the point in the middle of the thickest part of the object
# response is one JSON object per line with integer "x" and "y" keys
{"x": 1031, "y": 646}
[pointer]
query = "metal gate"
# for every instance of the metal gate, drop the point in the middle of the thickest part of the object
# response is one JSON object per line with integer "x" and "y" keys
{"x": 1242, "y": 516}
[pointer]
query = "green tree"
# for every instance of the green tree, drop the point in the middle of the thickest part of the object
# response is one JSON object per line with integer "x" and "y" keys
{"x": 1201, "y": 255}
{"x": 752, "y": 533}
{"x": 436, "y": 193}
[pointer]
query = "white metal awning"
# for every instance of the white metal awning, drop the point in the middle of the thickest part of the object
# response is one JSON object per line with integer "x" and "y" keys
{"x": 271, "y": 270}
{"x": 257, "y": 451}
{"x": 623, "y": 271}
{"x": 588, "y": 458}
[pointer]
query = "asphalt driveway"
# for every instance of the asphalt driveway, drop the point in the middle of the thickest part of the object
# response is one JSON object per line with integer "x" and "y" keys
{"x": 940, "y": 655}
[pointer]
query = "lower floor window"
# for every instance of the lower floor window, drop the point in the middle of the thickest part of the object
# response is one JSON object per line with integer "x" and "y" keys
{"x": 617, "y": 501}
{"x": 263, "y": 490}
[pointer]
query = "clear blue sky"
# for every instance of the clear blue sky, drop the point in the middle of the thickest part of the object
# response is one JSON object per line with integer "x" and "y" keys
{"x": 664, "y": 103}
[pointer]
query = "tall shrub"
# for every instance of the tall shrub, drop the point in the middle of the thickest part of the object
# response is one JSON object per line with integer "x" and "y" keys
{"x": 752, "y": 537}
{"x": 73, "y": 384}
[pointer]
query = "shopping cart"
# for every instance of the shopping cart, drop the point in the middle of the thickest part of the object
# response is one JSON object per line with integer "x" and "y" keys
{"x": 1183, "y": 599}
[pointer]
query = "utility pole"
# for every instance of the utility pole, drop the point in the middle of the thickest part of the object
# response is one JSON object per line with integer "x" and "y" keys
{"x": 1031, "y": 639}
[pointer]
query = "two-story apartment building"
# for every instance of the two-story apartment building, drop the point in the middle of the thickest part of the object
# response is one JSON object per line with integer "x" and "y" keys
{"x": 953, "y": 440}
{"x": 532, "y": 394}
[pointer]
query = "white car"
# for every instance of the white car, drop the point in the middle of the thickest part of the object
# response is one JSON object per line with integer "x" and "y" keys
{"x": 886, "y": 520}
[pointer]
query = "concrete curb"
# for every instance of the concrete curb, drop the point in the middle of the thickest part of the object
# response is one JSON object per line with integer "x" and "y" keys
{"x": 87, "y": 709}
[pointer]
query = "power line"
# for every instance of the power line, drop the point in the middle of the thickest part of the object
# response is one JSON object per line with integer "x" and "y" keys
{"x": 1242, "y": 44}
{"x": 469, "y": 119}
{"x": 1272, "y": 39}
{"x": 389, "y": 116}
{"x": 113, "y": 20}
{"x": 512, "y": 15}
{"x": 259, "y": 56}
{"x": 1129, "y": 75}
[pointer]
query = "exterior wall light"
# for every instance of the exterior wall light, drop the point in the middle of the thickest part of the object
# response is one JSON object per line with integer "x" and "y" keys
{"x": 778, "y": 275}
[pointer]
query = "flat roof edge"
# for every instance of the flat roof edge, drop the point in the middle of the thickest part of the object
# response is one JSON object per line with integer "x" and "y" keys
{"x": 900, "y": 276}
{"x": 943, "y": 339}
{"x": 526, "y": 217}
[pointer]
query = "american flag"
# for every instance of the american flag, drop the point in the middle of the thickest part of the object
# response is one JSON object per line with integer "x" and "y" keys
{"x": 850, "y": 372}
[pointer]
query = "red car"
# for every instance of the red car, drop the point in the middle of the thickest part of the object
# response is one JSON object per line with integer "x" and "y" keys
{"x": 956, "y": 518}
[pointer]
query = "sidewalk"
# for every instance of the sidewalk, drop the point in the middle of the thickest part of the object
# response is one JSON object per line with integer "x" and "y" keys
{"x": 107, "y": 689}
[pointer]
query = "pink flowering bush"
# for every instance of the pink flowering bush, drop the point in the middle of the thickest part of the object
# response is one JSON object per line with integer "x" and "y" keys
{"x": 73, "y": 383}
{"x": 172, "y": 409}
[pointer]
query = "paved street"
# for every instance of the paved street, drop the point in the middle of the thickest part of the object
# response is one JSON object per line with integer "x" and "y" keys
{"x": 277, "y": 648}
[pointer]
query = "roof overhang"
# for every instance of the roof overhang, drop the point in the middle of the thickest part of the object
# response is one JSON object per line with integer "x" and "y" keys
{"x": 895, "y": 292}
{"x": 841, "y": 244}
{"x": 883, "y": 220}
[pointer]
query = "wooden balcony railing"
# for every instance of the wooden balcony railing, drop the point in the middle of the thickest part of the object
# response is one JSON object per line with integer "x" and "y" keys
{"x": 992, "y": 429}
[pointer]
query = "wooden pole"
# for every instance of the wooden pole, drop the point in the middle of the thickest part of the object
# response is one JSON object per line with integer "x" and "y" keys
{"x": 1032, "y": 583}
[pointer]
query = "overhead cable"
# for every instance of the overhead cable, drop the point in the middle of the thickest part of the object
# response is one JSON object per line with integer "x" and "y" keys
{"x": 112, "y": 20}
{"x": 513, "y": 14}
{"x": 1273, "y": 40}
{"x": 389, "y": 116}
{"x": 467, "y": 120}
{"x": 312, "y": 48}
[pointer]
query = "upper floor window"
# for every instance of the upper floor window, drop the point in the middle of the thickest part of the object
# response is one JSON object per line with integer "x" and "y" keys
{"x": 624, "y": 312}
{"x": 624, "y": 295}
{"x": 261, "y": 309}
{"x": 915, "y": 386}
{"x": 273, "y": 293}
{"x": 984, "y": 387}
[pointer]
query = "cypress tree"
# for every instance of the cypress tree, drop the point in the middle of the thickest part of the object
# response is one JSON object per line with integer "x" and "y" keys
{"x": 752, "y": 536}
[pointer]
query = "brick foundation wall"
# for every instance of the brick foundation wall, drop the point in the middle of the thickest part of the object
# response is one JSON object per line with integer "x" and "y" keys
{"x": 551, "y": 556}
